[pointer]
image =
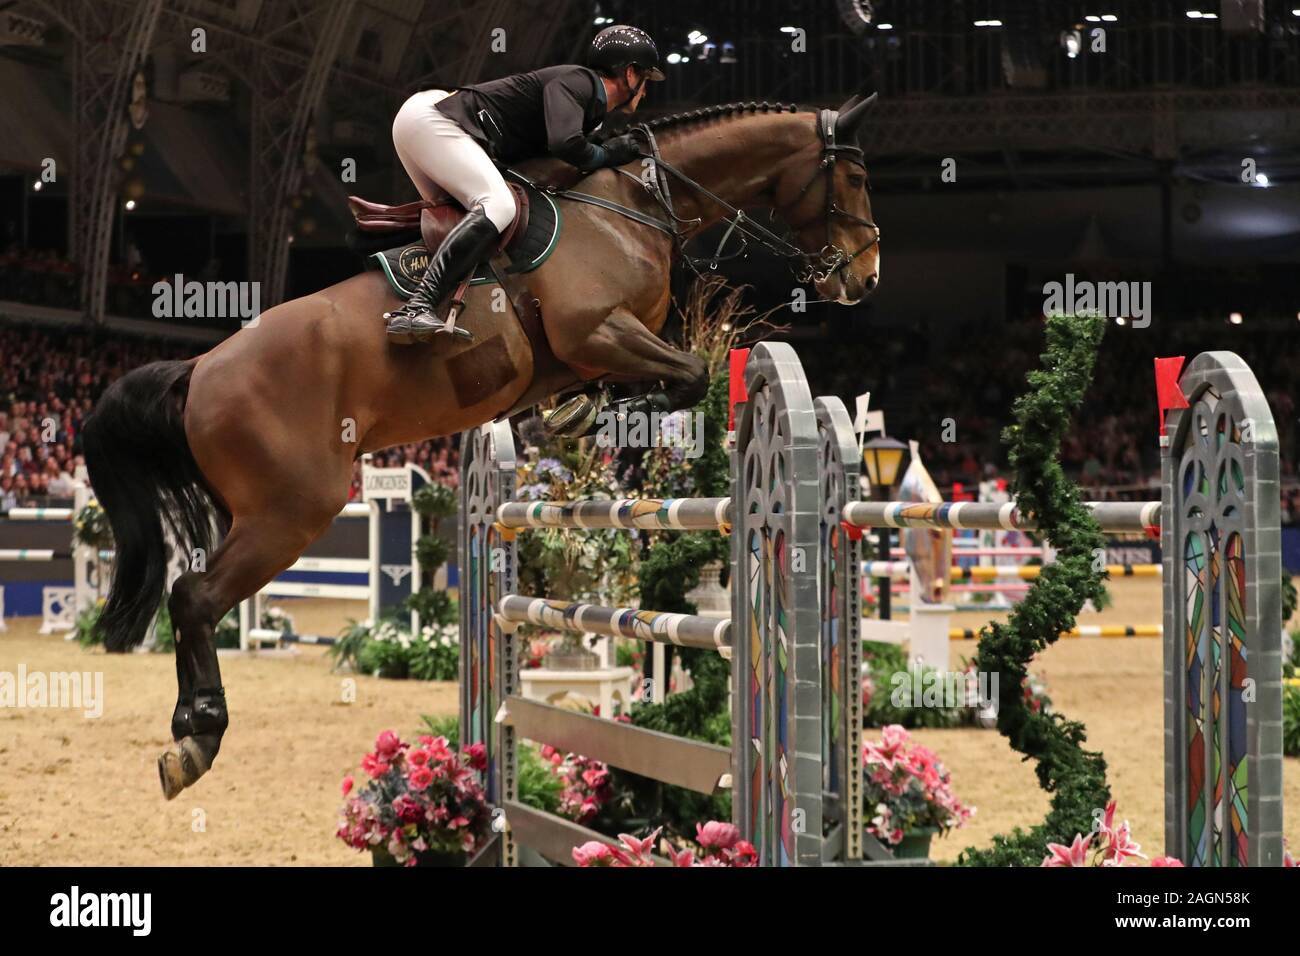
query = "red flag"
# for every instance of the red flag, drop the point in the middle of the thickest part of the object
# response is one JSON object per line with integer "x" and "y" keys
{"x": 738, "y": 359}
{"x": 1168, "y": 394}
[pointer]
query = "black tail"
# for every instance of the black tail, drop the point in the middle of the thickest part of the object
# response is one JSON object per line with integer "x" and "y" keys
{"x": 142, "y": 471}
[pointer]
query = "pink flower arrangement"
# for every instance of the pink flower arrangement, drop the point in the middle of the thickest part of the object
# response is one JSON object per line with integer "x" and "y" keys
{"x": 1113, "y": 846}
{"x": 419, "y": 798}
{"x": 720, "y": 846}
{"x": 538, "y": 648}
{"x": 586, "y": 782}
{"x": 908, "y": 788}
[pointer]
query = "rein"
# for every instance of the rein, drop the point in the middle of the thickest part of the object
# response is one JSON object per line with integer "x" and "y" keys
{"x": 806, "y": 266}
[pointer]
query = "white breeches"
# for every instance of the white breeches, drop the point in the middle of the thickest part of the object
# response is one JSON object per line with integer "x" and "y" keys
{"x": 435, "y": 151}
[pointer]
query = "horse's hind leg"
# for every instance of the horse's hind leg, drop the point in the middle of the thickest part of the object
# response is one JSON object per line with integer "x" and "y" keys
{"x": 257, "y": 548}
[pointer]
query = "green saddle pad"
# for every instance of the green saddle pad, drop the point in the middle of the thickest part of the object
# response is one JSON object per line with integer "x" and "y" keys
{"x": 404, "y": 265}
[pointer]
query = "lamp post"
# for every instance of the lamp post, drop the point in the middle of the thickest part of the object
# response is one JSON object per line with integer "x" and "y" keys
{"x": 883, "y": 457}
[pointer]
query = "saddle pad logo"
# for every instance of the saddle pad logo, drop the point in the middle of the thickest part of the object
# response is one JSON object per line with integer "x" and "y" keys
{"x": 413, "y": 261}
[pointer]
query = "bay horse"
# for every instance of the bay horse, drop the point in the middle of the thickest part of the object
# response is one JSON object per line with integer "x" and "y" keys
{"x": 263, "y": 430}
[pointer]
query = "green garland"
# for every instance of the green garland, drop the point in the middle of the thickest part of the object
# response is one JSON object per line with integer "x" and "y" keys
{"x": 1075, "y": 777}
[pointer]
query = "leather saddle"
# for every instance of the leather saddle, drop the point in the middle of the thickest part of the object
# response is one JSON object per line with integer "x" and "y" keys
{"x": 434, "y": 218}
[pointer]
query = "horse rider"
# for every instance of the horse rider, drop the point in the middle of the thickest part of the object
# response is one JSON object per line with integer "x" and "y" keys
{"x": 450, "y": 140}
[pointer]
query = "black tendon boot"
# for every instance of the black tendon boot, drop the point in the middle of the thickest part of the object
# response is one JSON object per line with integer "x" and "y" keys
{"x": 468, "y": 244}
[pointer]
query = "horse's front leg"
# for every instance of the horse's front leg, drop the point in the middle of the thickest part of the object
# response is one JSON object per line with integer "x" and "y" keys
{"x": 622, "y": 348}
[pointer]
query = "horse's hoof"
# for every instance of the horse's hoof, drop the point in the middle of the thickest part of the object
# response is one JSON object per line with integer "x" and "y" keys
{"x": 180, "y": 766}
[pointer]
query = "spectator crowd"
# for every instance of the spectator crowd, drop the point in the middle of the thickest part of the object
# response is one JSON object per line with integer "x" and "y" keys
{"x": 49, "y": 383}
{"x": 952, "y": 390}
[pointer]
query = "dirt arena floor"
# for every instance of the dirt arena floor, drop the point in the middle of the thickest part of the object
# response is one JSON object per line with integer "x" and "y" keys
{"x": 79, "y": 791}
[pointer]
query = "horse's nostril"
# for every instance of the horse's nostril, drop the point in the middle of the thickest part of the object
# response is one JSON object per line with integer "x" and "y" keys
{"x": 873, "y": 280}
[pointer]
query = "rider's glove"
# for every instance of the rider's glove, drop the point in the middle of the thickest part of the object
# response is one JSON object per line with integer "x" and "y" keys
{"x": 621, "y": 150}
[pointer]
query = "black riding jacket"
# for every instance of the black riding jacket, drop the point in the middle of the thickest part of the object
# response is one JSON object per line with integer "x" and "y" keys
{"x": 551, "y": 110}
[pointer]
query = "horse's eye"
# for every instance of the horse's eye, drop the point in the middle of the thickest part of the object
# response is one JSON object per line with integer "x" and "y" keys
{"x": 857, "y": 182}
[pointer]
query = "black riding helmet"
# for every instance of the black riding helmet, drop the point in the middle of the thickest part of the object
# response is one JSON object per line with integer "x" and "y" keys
{"x": 618, "y": 46}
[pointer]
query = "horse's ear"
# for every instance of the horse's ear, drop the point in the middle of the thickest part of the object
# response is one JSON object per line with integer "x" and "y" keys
{"x": 851, "y": 116}
{"x": 854, "y": 100}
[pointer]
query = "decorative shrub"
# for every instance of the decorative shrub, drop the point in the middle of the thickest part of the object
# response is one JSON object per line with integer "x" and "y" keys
{"x": 1033, "y": 690}
{"x": 389, "y": 649}
{"x": 1073, "y": 775}
{"x": 878, "y": 708}
{"x": 87, "y": 627}
{"x": 90, "y": 527}
{"x": 538, "y": 784}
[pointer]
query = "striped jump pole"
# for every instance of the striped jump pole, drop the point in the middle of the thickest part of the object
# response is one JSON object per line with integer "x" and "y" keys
{"x": 1116, "y": 517}
{"x": 40, "y": 514}
{"x": 40, "y": 555}
{"x": 1001, "y": 552}
{"x": 684, "y": 630}
{"x": 650, "y": 514}
{"x": 1001, "y": 587}
{"x": 1083, "y": 630}
{"x": 1024, "y": 572}
{"x": 33, "y": 554}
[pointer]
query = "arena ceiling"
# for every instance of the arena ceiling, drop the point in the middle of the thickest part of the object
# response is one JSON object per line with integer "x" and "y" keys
{"x": 252, "y": 122}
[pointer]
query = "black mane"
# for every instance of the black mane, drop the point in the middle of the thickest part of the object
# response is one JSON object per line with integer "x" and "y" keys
{"x": 712, "y": 112}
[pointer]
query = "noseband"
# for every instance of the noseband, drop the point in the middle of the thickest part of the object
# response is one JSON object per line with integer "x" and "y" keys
{"x": 832, "y": 258}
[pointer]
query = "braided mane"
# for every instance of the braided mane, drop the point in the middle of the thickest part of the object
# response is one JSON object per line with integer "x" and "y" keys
{"x": 712, "y": 112}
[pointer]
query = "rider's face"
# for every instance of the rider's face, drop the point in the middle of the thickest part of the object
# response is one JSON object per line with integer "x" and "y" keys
{"x": 632, "y": 76}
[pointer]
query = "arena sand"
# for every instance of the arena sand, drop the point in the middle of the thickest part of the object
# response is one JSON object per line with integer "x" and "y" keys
{"x": 77, "y": 791}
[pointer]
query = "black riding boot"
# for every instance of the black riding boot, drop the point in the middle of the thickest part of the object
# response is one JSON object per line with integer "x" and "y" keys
{"x": 468, "y": 244}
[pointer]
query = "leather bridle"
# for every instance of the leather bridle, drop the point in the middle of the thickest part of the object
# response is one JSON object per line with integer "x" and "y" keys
{"x": 832, "y": 258}
{"x": 806, "y": 266}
